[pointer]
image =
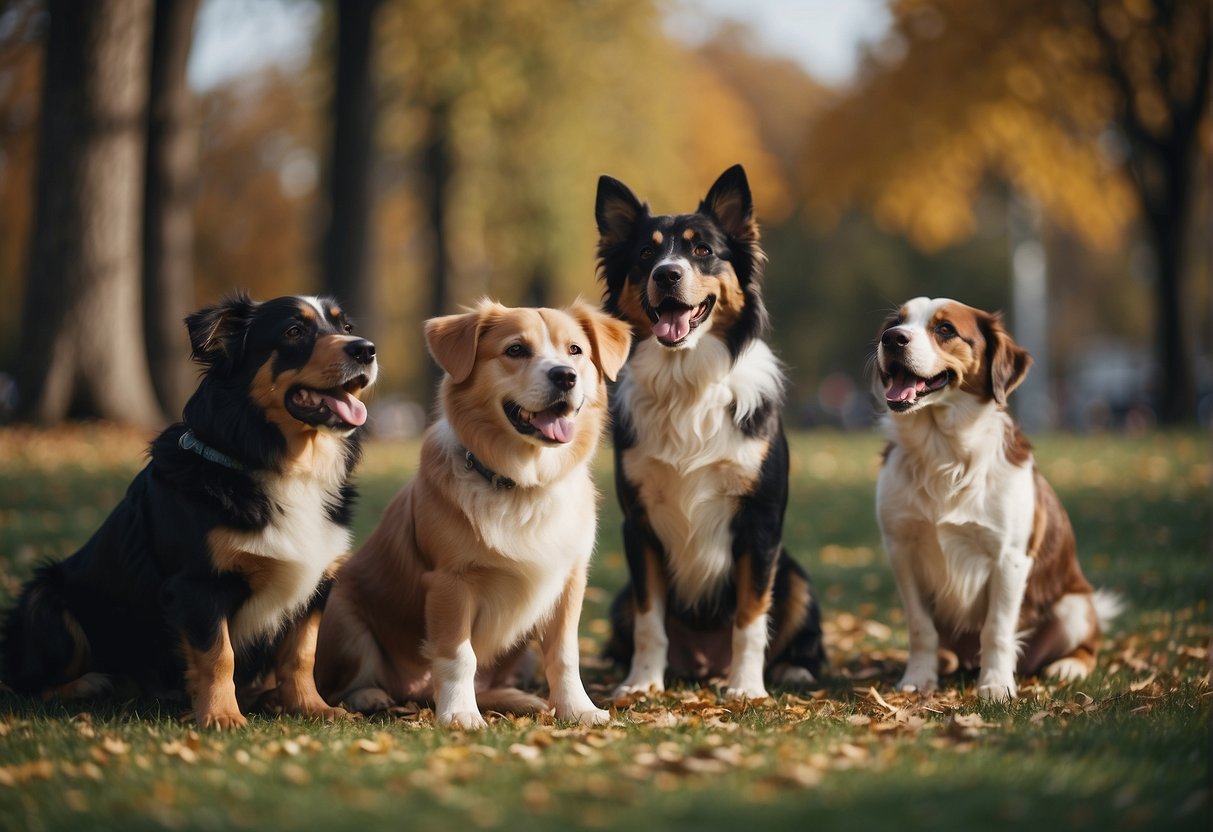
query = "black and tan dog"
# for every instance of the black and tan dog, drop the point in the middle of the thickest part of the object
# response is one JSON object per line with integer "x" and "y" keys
{"x": 212, "y": 571}
{"x": 701, "y": 460}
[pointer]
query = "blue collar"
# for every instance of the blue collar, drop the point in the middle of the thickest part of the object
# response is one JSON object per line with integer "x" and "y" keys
{"x": 190, "y": 442}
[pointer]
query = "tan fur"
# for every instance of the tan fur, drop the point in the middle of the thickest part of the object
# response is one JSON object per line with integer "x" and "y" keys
{"x": 456, "y": 562}
{"x": 209, "y": 681}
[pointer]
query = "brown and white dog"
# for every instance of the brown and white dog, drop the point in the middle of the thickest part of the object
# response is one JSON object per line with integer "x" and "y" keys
{"x": 490, "y": 542}
{"x": 981, "y": 548}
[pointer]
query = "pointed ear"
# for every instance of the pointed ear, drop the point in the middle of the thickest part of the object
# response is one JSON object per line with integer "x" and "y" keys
{"x": 617, "y": 210}
{"x": 610, "y": 338}
{"x": 1009, "y": 362}
{"x": 214, "y": 331}
{"x": 452, "y": 340}
{"x": 729, "y": 201}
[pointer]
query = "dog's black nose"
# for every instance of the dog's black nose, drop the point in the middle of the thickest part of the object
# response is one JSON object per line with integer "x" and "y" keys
{"x": 895, "y": 337}
{"x": 563, "y": 377}
{"x": 362, "y": 351}
{"x": 667, "y": 275}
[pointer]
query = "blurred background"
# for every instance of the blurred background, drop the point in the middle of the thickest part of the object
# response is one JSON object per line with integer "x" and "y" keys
{"x": 1047, "y": 158}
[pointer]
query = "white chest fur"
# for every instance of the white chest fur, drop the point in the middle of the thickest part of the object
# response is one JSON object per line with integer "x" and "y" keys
{"x": 301, "y": 541}
{"x": 955, "y": 506}
{"x": 691, "y": 461}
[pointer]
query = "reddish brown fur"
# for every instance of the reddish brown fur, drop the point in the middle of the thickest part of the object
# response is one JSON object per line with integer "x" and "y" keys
{"x": 209, "y": 680}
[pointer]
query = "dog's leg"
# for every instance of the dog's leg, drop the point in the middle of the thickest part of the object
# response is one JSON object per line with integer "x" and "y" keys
{"x": 999, "y": 645}
{"x": 448, "y": 618}
{"x": 1068, "y": 641}
{"x": 651, "y": 644}
{"x": 922, "y": 667}
{"x": 754, "y": 581}
{"x": 295, "y": 666}
{"x": 210, "y": 680}
{"x": 562, "y": 660}
{"x": 796, "y": 652}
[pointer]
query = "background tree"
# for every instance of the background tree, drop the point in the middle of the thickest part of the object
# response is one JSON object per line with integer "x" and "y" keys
{"x": 82, "y": 335}
{"x": 1063, "y": 100}
{"x": 168, "y": 204}
{"x": 347, "y": 263}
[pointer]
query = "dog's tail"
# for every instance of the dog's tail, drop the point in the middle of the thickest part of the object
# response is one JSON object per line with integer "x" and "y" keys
{"x": 510, "y": 701}
{"x": 42, "y": 646}
{"x": 1108, "y": 605}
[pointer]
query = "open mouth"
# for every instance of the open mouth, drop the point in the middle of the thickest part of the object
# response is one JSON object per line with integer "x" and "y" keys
{"x": 674, "y": 321}
{"x": 336, "y": 407}
{"x": 904, "y": 389}
{"x": 553, "y": 424}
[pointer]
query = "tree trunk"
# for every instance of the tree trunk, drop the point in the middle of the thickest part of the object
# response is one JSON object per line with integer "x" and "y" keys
{"x": 84, "y": 351}
{"x": 168, "y": 210}
{"x": 347, "y": 272}
{"x": 437, "y": 162}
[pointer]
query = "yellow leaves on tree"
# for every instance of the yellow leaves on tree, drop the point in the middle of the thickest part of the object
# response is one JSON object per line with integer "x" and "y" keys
{"x": 963, "y": 92}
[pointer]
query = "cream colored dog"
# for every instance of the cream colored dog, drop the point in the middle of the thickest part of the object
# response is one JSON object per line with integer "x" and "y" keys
{"x": 491, "y": 541}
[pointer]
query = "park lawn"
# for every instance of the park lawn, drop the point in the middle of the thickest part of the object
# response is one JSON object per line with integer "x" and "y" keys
{"x": 1128, "y": 748}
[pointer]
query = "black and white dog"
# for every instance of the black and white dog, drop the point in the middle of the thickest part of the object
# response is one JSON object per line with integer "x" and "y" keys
{"x": 701, "y": 460}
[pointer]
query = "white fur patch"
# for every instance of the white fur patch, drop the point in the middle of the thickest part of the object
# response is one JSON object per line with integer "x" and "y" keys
{"x": 749, "y": 653}
{"x": 691, "y": 461}
{"x": 301, "y": 537}
{"x": 649, "y": 654}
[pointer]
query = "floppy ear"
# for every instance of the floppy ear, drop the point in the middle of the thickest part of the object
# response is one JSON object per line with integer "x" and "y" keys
{"x": 729, "y": 201}
{"x": 214, "y": 331}
{"x": 452, "y": 340}
{"x": 1009, "y": 362}
{"x": 610, "y": 338}
{"x": 617, "y": 210}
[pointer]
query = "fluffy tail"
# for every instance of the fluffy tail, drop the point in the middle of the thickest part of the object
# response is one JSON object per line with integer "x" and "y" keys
{"x": 41, "y": 644}
{"x": 1108, "y": 605}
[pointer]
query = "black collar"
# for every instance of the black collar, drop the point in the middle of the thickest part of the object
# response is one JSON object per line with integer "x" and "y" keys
{"x": 494, "y": 479}
{"x": 190, "y": 442}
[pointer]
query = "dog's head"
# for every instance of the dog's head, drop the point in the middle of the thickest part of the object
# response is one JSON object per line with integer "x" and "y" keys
{"x": 932, "y": 350}
{"x": 291, "y": 363}
{"x": 678, "y": 277}
{"x": 522, "y": 381}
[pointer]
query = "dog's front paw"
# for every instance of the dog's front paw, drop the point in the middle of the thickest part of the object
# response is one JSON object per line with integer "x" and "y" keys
{"x": 368, "y": 700}
{"x": 792, "y": 676}
{"x": 922, "y": 683}
{"x": 630, "y": 687}
{"x": 751, "y": 692}
{"x": 996, "y": 687}
{"x": 1067, "y": 670}
{"x": 583, "y": 715}
{"x": 221, "y": 720}
{"x": 468, "y": 720}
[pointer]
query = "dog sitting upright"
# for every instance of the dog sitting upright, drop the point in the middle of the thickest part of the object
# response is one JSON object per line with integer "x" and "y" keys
{"x": 982, "y": 551}
{"x": 701, "y": 460}
{"x": 489, "y": 544}
{"x": 212, "y": 571}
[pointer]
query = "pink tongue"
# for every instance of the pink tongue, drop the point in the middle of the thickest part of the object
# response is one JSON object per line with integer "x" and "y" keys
{"x": 904, "y": 387}
{"x": 673, "y": 326}
{"x": 348, "y": 409}
{"x": 555, "y": 428}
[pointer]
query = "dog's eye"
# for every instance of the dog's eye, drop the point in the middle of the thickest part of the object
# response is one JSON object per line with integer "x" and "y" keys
{"x": 295, "y": 332}
{"x": 574, "y": 349}
{"x": 701, "y": 250}
{"x": 348, "y": 328}
{"x": 516, "y": 351}
{"x": 945, "y": 330}
{"x": 646, "y": 253}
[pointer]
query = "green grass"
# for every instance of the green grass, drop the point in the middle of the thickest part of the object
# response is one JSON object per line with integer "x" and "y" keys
{"x": 1128, "y": 748}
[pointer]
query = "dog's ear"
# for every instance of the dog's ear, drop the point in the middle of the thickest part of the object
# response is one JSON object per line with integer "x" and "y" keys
{"x": 1009, "y": 362}
{"x": 730, "y": 203}
{"x": 452, "y": 340}
{"x": 610, "y": 338}
{"x": 216, "y": 331}
{"x": 617, "y": 210}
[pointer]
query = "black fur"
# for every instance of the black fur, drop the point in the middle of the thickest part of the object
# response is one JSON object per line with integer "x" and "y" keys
{"x": 632, "y": 242}
{"x": 146, "y": 581}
